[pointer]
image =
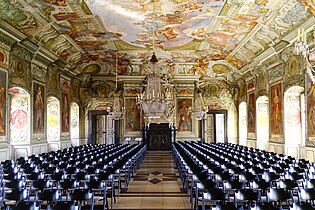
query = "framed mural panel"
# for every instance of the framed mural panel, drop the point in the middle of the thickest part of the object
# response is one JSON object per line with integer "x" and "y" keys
{"x": 310, "y": 108}
{"x": 65, "y": 112}
{"x": 132, "y": 116}
{"x": 3, "y": 95}
{"x": 38, "y": 108}
{"x": 20, "y": 115}
{"x": 276, "y": 109}
{"x": 184, "y": 115}
{"x": 251, "y": 125}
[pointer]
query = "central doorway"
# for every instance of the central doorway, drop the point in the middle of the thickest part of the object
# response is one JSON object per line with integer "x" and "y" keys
{"x": 101, "y": 127}
{"x": 215, "y": 126}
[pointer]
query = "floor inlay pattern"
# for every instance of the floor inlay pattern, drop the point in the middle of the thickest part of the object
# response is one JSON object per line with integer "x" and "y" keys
{"x": 156, "y": 185}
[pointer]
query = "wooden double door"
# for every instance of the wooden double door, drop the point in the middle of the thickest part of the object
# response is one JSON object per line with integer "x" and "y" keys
{"x": 101, "y": 128}
{"x": 215, "y": 127}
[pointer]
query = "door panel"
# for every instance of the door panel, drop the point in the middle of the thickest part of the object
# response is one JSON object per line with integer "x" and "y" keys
{"x": 219, "y": 127}
{"x": 101, "y": 129}
{"x": 209, "y": 129}
{"x": 110, "y": 137}
{"x": 215, "y": 127}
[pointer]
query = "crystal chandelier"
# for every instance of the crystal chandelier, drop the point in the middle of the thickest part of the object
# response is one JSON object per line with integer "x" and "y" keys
{"x": 303, "y": 48}
{"x": 152, "y": 101}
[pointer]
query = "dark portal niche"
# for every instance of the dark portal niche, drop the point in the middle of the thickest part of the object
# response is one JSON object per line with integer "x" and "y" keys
{"x": 159, "y": 136}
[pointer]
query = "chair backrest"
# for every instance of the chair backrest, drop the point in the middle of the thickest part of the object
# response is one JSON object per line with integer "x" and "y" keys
{"x": 81, "y": 195}
{"x": 278, "y": 195}
{"x": 216, "y": 195}
{"x": 307, "y": 194}
{"x": 302, "y": 206}
{"x": 264, "y": 206}
{"x": 24, "y": 206}
{"x": 64, "y": 205}
{"x": 17, "y": 195}
{"x": 247, "y": 195}
{"x": 14, "y": 184}
{"x": 52, "y": 195}
{"x": 310, "y": 184}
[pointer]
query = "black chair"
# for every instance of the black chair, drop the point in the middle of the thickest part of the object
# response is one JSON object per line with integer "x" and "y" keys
{"x": 246, "y": 197}
{"x": 48, "y": 197}
{"x": 11, "y": 175}
{"x": 14, "y": 184}
{"x": 64, "y": 205}
{"x": 24, "y": 206}
{"x": 84, "y": 197}
{"x": 214, "y": 196}
{"x": 271, "y": 177}
{"x": 307, "y": 195}
{"x": 15, "y": 196}
{"x": 279, "y": 196}
{"x": 265, "y": 206}
{"x": 102, "y": 190}
{"x": 309, "y": 184}
{"x": 302, "y": 206}
{"x": 41, "y": 184}
{"x": 227, "y": 206}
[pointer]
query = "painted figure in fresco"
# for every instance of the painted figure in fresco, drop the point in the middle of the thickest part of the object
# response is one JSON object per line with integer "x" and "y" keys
{"x": 251, "y": 118}
{"x": 311, "y": 109}
{"x": 184, "y": 117}
{"x": 277, "y": 111}
{"x": 39, "y": 105}
{"x": 65, "y": 114}
{"x": 2, "y": 97}
{"x": 132, "y": 119}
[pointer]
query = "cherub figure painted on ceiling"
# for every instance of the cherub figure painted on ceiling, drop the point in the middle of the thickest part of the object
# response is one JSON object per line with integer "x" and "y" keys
{"x": 309, "y": 4}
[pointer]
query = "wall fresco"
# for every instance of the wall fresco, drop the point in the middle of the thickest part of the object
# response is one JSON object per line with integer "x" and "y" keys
{"x": 276, "y": 109}
{"x": 38, "y": 108}
{"x": 3, "y": 106}
{"x": 132, "y": 121}
{"x": 251, "y": 113}
{"x": 184, "y": 115}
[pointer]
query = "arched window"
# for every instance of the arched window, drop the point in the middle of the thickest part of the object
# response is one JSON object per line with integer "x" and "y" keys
{"x": 74, "y": 123}
{"x": 19, "y": 116}
{"x": 293, "y": 118}
{"x": 242, "y": 123}
{"x": 262, "y": 114}
{"x": 53, "y": 120}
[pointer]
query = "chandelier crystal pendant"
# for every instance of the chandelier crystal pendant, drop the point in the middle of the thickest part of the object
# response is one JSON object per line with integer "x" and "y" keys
{"x": 303, "y": 48}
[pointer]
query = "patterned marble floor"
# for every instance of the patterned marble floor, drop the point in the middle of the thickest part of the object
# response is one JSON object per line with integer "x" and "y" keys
{"x": 155, "y": 186}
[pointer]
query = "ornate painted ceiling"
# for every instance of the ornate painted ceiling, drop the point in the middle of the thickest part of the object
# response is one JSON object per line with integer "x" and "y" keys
{"x": 205, "y": 37}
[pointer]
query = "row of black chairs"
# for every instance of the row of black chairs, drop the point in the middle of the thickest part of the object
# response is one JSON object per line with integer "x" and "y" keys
{"x": 82, "y": 177}
{"x": 243, "y": 177}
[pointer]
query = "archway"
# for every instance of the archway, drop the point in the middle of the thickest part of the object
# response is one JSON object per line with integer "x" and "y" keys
{"x": 293, "y": 118}
{"x": 74, "y": 127}
{"x": 20, "y": 116}
{"x": 262, "y": 114}
{"x": 242, "y": 123}
{"x": 53, "y": 123}
{"x": 223, "y": 101}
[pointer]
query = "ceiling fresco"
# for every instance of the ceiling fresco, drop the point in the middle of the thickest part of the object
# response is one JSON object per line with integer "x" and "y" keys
{"x": 197, "y": 31}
